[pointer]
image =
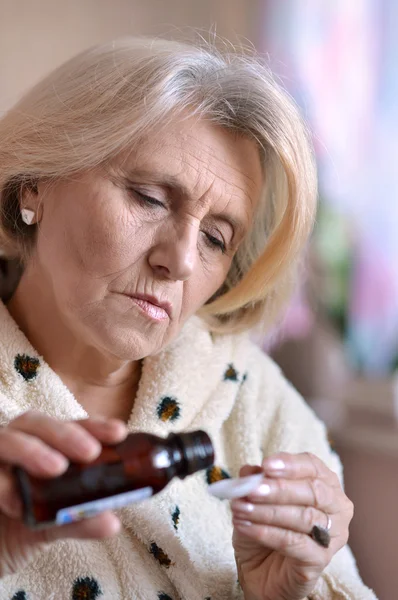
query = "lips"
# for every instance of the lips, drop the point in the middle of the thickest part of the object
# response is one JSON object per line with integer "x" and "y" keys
{"x": 154, "y": 307}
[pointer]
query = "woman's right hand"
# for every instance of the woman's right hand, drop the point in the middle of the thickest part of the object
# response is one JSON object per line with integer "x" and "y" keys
{"x": 43, "y": 446}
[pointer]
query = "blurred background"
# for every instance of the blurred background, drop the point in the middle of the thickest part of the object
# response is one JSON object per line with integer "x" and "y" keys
{"x": 339, "y": 340}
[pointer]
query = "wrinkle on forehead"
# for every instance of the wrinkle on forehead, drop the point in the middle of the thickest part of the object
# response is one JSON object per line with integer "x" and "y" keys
{"x": 209, "y": 176}
{"x": 209, "y": 154}
{"x": 201, "y": 156}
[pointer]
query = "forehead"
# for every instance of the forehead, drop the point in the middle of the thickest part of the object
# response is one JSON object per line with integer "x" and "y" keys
{"x": 199, "y": 156}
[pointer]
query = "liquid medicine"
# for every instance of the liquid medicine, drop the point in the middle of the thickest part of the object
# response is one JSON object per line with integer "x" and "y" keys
{"x": 135, "y": 469}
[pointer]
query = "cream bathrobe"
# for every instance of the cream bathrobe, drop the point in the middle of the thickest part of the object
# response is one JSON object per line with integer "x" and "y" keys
{"x": 176, "y": 545}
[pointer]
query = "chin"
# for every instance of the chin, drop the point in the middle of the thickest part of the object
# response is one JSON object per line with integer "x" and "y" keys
{"x": 132, "y": 343}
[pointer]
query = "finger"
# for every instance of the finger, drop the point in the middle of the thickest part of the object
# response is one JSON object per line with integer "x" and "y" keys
{"x": 10, "y": 501}
{"x": 296, "y": 518}
{"x": 307, "y": 492}
{"x": 298, "y": 466}
{"x": 70, "y": 438}
{"x": 21, "y": 449}
{"x": 107, "y": 431}
{"x": 101, "y": 526}
{"x": 289, "y": 543}
{"x": 30, "y": 542}
{"x": 248, "y": 470}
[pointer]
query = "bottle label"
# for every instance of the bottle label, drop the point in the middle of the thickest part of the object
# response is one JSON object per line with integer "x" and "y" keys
{"x": 90, "y": 509}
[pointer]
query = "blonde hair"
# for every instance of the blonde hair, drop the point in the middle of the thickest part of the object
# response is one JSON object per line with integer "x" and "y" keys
{"x": 103, "y": 100}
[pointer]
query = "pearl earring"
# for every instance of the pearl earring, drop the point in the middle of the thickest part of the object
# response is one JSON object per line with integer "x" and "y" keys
{"x": 27, "y": 216}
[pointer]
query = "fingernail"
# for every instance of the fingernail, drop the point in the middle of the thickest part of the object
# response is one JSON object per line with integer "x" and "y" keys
{"x": 109, "y": 426}
{"x": 53, "y": 461}
{"x": 275, "y": 464}
{"x": 263, "y": 490}
{"x": 120, "y": 427}
{"x": 239, "y": 523}
{"x": 245, "y": 507}
{"x": 90, "y": 448}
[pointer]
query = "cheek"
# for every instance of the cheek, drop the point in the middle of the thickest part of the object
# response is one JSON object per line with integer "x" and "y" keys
{"x": 198, "y": 290}
{"x": 95, "y": 243}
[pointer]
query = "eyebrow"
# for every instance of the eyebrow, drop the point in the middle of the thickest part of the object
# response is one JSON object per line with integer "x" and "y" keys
{"x": 173, "y": 183}
{"x": 167, "y": 181}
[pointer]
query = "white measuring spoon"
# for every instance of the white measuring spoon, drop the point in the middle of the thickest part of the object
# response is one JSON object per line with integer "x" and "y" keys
{"x": 227, "y": 489}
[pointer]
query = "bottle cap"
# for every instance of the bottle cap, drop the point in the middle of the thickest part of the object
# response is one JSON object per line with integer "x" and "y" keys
{"x": 197, "y": 449}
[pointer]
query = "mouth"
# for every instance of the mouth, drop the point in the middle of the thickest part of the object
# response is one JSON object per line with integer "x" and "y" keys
{"x": 152, "y": 307}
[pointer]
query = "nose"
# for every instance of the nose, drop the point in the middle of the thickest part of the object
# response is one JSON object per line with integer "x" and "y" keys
{"x": 174, "y": 256}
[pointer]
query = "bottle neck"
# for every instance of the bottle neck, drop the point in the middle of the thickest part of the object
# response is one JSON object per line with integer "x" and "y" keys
{"x": 193, "y": 452}
{"x": 178, "y": 457}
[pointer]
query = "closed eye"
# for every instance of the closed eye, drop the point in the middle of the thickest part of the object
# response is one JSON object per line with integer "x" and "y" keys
{"x": 148, "y": 200}
{"x": 215, "y": 242}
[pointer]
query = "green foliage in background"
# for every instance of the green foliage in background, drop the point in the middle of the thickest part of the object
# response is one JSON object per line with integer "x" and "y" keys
{"x": 333, "y": 250}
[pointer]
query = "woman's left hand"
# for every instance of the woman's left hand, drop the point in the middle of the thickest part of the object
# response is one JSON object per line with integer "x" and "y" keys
{"x": 276, "y": 557}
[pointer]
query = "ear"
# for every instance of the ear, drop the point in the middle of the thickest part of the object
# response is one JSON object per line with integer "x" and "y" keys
{"x": 30, "y": 204}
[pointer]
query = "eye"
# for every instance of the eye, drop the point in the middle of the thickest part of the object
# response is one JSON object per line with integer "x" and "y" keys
{"x": 215, "y": 243}
{"x": 148, "y": 200}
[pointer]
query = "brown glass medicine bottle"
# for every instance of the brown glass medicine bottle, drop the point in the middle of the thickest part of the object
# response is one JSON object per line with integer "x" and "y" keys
{"x": 137, "y": 468}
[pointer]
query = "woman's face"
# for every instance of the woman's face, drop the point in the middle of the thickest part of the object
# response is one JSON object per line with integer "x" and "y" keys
{"x": 126, "y": 254}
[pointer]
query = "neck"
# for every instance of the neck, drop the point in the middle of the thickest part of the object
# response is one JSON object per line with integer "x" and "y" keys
{"x": 102, "y": 383}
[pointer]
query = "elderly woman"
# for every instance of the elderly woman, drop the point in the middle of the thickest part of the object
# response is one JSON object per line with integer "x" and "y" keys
{"x": 158, "y": 195}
